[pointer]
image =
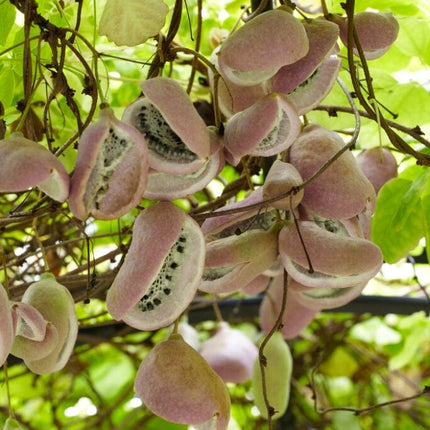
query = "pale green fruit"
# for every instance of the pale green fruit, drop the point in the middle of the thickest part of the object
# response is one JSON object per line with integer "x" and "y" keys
{"x": 279, "y": 366}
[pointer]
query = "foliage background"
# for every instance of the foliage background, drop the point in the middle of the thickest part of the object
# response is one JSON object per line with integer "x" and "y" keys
{"x": 345, "y": 360}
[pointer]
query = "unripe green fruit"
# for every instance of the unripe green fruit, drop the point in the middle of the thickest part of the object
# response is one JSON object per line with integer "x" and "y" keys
{"x": 278, "y": 370}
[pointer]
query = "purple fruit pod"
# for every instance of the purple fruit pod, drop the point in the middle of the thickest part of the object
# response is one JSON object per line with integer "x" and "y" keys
{"x": 56, "y": 305}
{"x": 7, "y": 324}
{"x": 342, "y": 191}
{"x": 295, "y": 317}
{"x": 376, "y": 32}
{"x": 162, "y": 269}
{"x": 176, "y": 383}
{"x": 316, "y": 87}
{"x": 322, "y": 35}
{"x": 177, "y": 137}
{"x": 325, "y": 255}
{"x": 230, "y": 353}
{"x": 234, "y": 261}
{"x": 252, "y": 54}
{"x": 170, "y": 186}
{"x": 266, "y": 128}
{"x": 111, "y": 169}
{"x": 27, "y": 164}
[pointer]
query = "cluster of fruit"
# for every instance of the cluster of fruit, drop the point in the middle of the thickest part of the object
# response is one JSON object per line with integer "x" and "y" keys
{"x": 310, "y": 219}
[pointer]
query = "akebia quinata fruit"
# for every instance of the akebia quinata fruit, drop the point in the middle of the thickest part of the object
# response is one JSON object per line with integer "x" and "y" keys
{"x": 376, "y": 32}
{"x": 161, "y": 271}
{"x": 230, "y": 353}
{"x": 322, "y": 35}
{"x": 177, "y": 137}
{"x": 7, "y": 332}
{"x": 232, "y": 262}
{"x": 56, "y": 305}
{"x": 266, "y": 128}
{"x": 111, "y": 169}
{"x": 27, "y": 164}
{"x": 379, "y": 166}
{"x": 295, "y": 316}
{"x": 278, "y": 370}
{"x": 281, "y": 178}
{"x": 321, "y": 257}
{"x": 342, "y": 191}
{"x": 253, "y": 54}
{"x": 176, "y": 383}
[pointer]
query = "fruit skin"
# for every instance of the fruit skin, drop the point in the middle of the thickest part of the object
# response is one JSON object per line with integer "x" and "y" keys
{"x": 230, "y": 353}
{"x": 281, "y": 178}
{"x": 296, "y": 316}
{"x": 376, "y": 31}
{"x": 322, "y": 35}
{"x": 176, "y": 383}
{"x": 232, "y": 262}
{"x": 266, "y": 128}
{"x": 177, "y": 111}
{"x": 56, "y": 304}
{"x": 313, "y": 90}
{"x": 155, "y": 232}
{"x": 278, "y": 370}
{"x": 342, "y": 191}
{"x": 379, "y": 166}
{"x": 252, "y": 54}
{"x": 338, "y": 259}
{"x": 91, "y": 192}
{"x": 7, "y": 332}
{"x": 27, "y": 164}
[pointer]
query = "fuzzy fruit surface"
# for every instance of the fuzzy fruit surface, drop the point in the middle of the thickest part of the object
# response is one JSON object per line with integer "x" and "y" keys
{"x": 176, "y": 383}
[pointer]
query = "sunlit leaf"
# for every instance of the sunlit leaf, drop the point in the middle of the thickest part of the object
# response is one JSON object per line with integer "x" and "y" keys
{"x": 132, "y": 22}
{"x": 7, "y": 18}
{"x": 414, "y": 38}
{"x": 397, "y": 223}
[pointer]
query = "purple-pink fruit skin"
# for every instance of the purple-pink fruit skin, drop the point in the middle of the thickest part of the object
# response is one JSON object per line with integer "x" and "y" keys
{"x": 379, "y": 165}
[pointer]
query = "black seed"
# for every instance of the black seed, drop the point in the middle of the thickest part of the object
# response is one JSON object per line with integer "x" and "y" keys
{"x": 145, "y": 297}
{"x": 167, "y": 291}
{"x": 157, "y": 302}
{"x": 168, "y": 277}
{"x": 180, "y": 248}
{"x": 150, "y": 306}
{"x": 182, "y": 239}
{"x": 173, "y": 265}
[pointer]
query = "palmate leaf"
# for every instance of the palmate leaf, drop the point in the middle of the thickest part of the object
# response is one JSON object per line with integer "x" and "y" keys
{"x": 132, "y": 22}
{"x": 400, "y": 218}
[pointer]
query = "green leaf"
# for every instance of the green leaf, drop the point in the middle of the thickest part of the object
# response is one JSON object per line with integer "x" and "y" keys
{"x": 132, "y": 22}
{"x": 412, "y": 329}
{"x": 7, "y": 19}
{"x": 398, "y": 220}
{"x": 411, "y": 102}
{"x": 7, "y": 86}
{"x": 340, "y": 363}
{"x": 414, "y": 38}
